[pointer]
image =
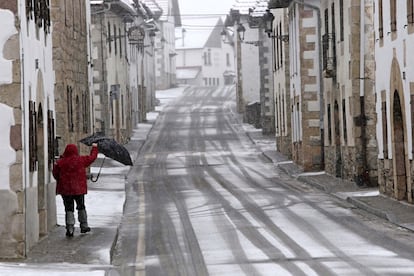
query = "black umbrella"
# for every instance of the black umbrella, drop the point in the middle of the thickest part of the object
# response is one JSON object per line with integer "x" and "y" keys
{"x": 92, "y": 139}
{"x": 110, "y": 148}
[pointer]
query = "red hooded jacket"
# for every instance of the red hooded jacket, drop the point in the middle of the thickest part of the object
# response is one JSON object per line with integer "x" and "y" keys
{"x": 69, "y": 171}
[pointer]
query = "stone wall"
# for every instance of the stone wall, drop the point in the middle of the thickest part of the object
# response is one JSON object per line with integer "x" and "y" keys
{"x": 12, "y": 194}
{"x": 311, "y": 152}
{"x": 71, "y": 71}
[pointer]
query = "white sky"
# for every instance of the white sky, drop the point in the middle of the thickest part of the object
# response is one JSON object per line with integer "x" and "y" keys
{"x": 191, "y": 7}
{"x": 199, "y": 17}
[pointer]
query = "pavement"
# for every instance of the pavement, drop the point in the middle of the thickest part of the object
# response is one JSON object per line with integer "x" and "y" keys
{"x": 369, "y": 199}
{"x": 90, "y": 254}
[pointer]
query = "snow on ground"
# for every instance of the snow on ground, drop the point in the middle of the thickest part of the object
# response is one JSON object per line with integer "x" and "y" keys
{"x": 109, "y": 188}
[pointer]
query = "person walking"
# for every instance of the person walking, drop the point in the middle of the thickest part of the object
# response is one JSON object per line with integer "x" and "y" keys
{"x": 70, "y": 174}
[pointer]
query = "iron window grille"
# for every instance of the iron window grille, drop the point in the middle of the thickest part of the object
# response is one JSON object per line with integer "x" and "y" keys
{"x": 329, "y": 55}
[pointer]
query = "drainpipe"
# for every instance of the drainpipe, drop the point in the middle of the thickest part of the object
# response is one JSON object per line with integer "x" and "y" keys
{"x": 364, "y": 174}
{"x": 25, "y": 177}
{"x": 321, "y": 100}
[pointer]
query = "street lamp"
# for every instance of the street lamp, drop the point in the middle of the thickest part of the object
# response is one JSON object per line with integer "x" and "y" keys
{"x": 223, "y": 36}
{"x": 241, "y": 30}
{"x": 152, "y": 35}
{"x": 227, "y": 36}
{"x": 268, "y": 18}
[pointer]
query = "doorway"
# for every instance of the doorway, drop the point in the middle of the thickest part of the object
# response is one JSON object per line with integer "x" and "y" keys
{"x": 400, "y": 177}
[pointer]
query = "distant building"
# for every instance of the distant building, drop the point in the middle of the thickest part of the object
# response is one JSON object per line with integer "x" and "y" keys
{"x": 281, "y": 82}
{"x": 253, "y": 52}
{"x": 203, "y": 59}
{"x": 165, "y": 54}
{"x": 112, "y": 93}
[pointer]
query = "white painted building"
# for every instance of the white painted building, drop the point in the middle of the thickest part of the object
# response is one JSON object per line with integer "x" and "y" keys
{"x": 281, "y": 81}
{"x": 203, "y": 59}
{"x": 165, "y": 54}
{"x": 394, "y": 87}
{"x": 305, "y": 82}
{"x": 27, "y": 189}
{"x": 112, "y": 91}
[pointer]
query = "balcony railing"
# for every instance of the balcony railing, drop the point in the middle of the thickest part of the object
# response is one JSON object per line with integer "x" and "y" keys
{"x": 278, "y": 4}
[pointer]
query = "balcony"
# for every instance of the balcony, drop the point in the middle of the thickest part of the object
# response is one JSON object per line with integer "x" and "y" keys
{"x": 278, "y": 4}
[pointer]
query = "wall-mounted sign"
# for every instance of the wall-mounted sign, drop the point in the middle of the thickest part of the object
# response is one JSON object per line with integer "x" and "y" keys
{"x": 136, "y": 35}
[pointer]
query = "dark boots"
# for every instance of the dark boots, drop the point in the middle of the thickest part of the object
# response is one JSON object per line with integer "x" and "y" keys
{"x": 70, "y": 223}
{"x": 83, "y": 220}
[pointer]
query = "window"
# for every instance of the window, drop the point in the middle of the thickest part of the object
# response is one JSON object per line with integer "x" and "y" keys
{"x": 275, "y": 55}
{"x": 333, "y": 18}
{"x": 78, "y": 113}
{"x": 329, "y": 124}
{"x": 122, "y": 111}
{"x": 283, "y": 115}
{"x": 209, "y": 57}
{"x": 228, "y": 59}
{"x": 341, "y": 20}
{"x": 278, "y": 50}
{"x": 393, "y": 10}
{"x": 68, "y": 13}
{"x": 82, "y": 16}
{"x": 70, "y": 108}
{"x": 85, "y": 112}
{"x": 384, "y": 126}
{"x": 109, "y": 38}
{"x": 39, "y": 11}
{"x": 380, "y": 20}
{"x": 277, "y": 117}
{"x": 299, "y": 126}
{"x": 280, "y": 45}
{"x": 115, "y": 44}
{"x": 344, "y": 121}
{"x": 76, "y": 15}
{"x": 328, "y": 45}
{"x": 120, "y": 42}
{"x": 112, "y": 111}
{"x": 32, "y": 136}
{"x": 410, "y": 11}
{"x": 50, "y": 139}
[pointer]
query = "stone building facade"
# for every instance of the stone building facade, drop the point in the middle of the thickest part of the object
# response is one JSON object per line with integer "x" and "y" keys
{"x": 348, "y": 80}
{"x": 394, "y": 88}
{"x": 111, "y": 71}
{"x": 281, "y": 81}
{"x": 305, "y": 86}
{"x": 71, "y": 60}
{"x": 27, "y": 107}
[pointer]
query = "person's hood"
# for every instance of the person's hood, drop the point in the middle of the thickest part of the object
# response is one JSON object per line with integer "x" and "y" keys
{"x": 71, "y": 150}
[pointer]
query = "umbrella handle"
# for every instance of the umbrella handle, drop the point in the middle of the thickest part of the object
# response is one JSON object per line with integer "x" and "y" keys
{"x": 96, "y": 179}
{"x": 99, "y": 173}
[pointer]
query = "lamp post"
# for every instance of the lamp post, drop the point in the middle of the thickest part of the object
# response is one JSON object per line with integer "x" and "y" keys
{"x": 239, "y": 89}
{"x": 268, "y": 18}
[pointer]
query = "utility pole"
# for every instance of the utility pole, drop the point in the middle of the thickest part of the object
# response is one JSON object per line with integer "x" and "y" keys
{"x": 239, "y": 87}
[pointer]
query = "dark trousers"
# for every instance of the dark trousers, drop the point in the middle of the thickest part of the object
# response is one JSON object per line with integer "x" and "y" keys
{"x": 69, "y": 202}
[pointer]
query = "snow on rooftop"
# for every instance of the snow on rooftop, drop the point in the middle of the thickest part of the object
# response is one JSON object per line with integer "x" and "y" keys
{"x": 197, "y": 31}
{"x": 187, "y": 73}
